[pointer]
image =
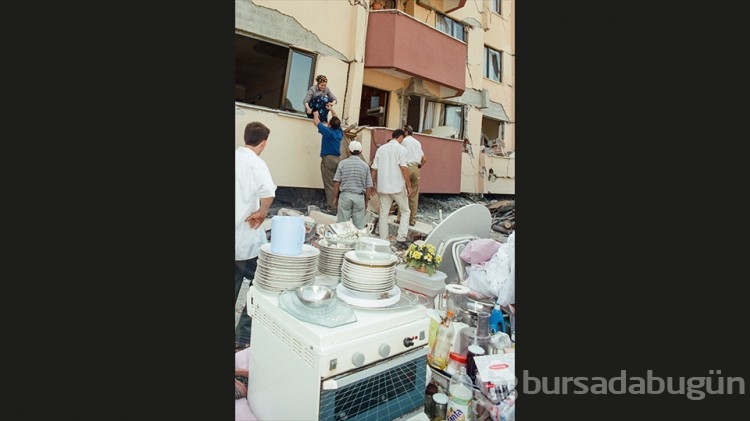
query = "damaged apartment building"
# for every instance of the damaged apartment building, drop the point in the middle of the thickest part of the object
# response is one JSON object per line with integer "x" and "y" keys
{"x": 446, "y": 67}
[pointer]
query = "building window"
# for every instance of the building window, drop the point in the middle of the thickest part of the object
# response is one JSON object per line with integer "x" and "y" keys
{"x": 451, "y": 27}
{"x": 373, "y": 107}
{"x": 495, "y": 6}
{"x": 271, "y": 75}
{"x": 493, "y": 136}
{"x": 428, "y": 116}
{"x": 493, "y": 64}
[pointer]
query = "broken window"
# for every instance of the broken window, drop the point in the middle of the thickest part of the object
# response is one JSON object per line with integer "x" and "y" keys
{"x": 493, "y": 136}
{"x": 492, "y": 64}
{"x": 436, "y": 118}
{"x": 271, "y": 75}
{"x": 450, "y": 27}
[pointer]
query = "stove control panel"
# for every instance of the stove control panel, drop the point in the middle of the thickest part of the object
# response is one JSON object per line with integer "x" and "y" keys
{"x": 367, "y": 350}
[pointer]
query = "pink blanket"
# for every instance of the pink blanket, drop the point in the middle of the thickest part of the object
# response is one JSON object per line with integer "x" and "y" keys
{"x": 242, "y": 410}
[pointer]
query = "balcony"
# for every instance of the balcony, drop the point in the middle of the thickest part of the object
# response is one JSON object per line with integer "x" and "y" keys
{"x": 402, "y": 46}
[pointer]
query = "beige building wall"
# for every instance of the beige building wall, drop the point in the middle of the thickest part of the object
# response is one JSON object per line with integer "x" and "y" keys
{"x": 316, "y": 26}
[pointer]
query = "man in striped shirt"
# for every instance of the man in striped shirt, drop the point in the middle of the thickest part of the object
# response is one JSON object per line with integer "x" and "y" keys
{"x": 352, "y": 185}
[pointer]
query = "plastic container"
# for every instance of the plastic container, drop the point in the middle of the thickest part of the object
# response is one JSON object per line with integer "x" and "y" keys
{"x": 460, "y": 394}
{"x": 421, "y": 283}
{"x": 455, "y": 362}
{"x": 287, "y": 235}
{"x": 479, "y": 335}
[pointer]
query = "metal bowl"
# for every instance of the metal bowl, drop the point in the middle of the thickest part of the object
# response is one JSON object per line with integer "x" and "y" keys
{"x": 315, "y": 295}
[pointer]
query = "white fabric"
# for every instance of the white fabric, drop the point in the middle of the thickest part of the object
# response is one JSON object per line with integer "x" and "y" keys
{"x": 413, "y": 149}
{"x": 252, "y": 181}
{"x": 388, "y": 161}
{"x": 496, "y": 277}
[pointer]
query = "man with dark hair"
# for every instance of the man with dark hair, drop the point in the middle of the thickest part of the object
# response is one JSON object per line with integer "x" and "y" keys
{"x": 352, "y": 185}
{"x": 390, "y": 175}
{"x": 254, "y": 192}
{"x": 415, "y": 159}
{"x": 330, "y": 153}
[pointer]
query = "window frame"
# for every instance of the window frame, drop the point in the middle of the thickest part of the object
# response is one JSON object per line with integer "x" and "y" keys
{"x": 489, "y": 53}
{"x": 445, "y": 107}
{"x": 301, "y": 83}
{"x": 452, "y": 25}
{"x": 496, "y": 6}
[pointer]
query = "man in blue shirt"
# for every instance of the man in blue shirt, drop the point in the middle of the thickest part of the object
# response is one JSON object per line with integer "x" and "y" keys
{"x": 330, "y": 153}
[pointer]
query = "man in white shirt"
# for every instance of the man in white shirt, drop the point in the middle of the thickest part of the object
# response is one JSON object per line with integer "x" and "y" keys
{"x": 390, "y": 176}
{"x": 254, "y": 191}
{"x": 415, "y": 159}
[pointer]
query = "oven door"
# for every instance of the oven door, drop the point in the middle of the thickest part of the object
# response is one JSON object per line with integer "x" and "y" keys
{"x": 381, "y": 391}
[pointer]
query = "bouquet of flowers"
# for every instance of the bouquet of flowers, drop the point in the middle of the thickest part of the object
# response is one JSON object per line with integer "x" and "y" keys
{"x": 422, "y": 258}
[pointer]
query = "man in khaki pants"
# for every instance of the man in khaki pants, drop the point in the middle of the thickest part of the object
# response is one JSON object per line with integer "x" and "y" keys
{"x": 390, "y": 177}
{"x": 415, "y": 159}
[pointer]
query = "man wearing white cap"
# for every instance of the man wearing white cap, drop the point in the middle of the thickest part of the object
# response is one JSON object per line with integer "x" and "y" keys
{"x": 352, "y": 185}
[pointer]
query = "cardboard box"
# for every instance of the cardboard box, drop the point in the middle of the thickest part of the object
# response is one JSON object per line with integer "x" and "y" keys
{"x": 499, "y": 369}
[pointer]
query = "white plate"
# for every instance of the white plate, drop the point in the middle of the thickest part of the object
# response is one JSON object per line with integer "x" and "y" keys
{"x": 307, "y": 251}
{"x": 346, "y": 296}
{"x": 352, "y": 257}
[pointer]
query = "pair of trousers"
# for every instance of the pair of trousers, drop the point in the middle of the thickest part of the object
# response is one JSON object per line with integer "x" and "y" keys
{"x": 414, "y": 198}
{"x": 328, "y": 165}
{"x": 351, "y": 206}
{"x": 243, "y": 269}
{"x": 402, "y": 200}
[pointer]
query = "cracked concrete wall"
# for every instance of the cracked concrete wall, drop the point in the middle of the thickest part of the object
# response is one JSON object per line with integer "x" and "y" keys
{"x": 312, "y": 25}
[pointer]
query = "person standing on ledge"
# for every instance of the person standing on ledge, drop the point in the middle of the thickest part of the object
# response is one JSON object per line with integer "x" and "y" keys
{"x": 415, "y": 159}
{"x": 390, "y": 175}
{"x": 330, "y": 153}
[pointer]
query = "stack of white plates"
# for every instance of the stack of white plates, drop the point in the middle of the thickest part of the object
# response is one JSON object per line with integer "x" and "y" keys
{"x": 277, "y": 273}
{"x": 368, "y": 278}
{"x": 331, "y": 257}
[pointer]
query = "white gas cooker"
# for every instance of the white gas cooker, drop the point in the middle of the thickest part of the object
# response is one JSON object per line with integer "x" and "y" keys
{"x": 370, "y": 369}
{"x": 376, "y": 335}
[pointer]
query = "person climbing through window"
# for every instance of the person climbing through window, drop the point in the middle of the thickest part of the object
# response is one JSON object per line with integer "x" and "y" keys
{"x": 318, "y": 96}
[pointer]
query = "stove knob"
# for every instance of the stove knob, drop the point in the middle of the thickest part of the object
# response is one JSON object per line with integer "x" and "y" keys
{"x": 384, "y": 350}
{"x": 408, "y": 342}
{"x": 358, "y": 359}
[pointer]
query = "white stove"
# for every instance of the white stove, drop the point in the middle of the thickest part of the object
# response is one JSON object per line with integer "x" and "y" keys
{"x": 370, "y": 369}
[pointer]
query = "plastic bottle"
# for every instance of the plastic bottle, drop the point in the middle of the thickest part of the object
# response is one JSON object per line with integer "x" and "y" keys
{"x": 460, "y": 394}
{"x": 443, "y": 341}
